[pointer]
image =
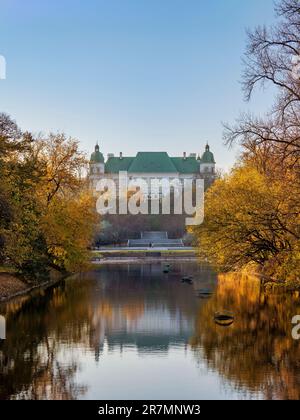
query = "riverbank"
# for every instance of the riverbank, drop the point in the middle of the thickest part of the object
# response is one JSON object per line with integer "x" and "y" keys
{"x": 11, "y": 286}
{"x": 141, "y": 256}
{"x": 138, "y": 260}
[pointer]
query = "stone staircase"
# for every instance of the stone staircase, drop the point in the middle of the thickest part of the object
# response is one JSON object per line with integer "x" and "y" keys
{"x": 155, "y": 240}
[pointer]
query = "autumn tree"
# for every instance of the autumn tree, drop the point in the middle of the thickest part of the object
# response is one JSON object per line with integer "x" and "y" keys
{"x": 248, "y": 222}
{"x": 252, "y": 215}
{"x": 68, "y": 207}
{"x": 272, "y": 58}
{"x": 47, "y": 211}
{"x": 19, "y": 174}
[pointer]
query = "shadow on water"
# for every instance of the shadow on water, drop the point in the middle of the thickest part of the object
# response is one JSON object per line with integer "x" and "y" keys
{"x": 89, "y": 337}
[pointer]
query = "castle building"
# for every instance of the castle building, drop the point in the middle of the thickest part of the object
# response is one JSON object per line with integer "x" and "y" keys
{"x": 149, "y": 165}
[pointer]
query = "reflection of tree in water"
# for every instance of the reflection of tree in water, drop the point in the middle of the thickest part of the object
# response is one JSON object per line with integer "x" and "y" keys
{"x": 257, "y": 352}
{"x": 52, "y": 379}
{"x": 29, "y": 366}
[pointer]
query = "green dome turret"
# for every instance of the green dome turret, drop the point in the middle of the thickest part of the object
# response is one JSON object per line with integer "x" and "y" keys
{"x": 208, "y": 156}
{"x": 97, "y": 156}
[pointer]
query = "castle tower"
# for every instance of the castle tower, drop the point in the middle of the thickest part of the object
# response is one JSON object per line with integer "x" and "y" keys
{"x": 97, "y": 166}
{"x": 208, "y": 166}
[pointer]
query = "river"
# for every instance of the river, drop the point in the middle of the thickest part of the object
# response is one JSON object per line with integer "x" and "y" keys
{"x": 134, "y": 332}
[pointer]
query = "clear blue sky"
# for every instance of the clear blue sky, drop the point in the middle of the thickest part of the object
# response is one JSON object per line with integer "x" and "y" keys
{"x": 137, "y": 75}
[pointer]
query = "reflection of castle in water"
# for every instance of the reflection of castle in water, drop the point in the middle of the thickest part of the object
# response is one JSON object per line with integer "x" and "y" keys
{"x": 136, "y": 307}
{"x": 156, "y": 329}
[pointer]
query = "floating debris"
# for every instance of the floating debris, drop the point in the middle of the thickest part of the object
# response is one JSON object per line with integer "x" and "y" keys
{"x": 187, "y": 280}
{"x": 205, "y": 293}
{"x": 224, "y": 318}
{"x": 166, "y": 269}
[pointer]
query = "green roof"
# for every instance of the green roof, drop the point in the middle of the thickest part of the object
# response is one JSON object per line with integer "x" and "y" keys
{"x": 152, "y": 162}
{"x": 207, "y": 156}
{"x": 115, "y": 164}
{"x": 190, "y": 165}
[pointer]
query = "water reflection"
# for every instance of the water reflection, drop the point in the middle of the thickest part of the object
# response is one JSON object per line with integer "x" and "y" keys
{"x": 30, "y": 365}
{"x": 132, "y": 331}
{"x": 257, "y": 353}
{"x": 141, "y": 307}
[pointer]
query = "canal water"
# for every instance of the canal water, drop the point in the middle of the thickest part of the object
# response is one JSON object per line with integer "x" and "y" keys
{"x": 134, "y": 332}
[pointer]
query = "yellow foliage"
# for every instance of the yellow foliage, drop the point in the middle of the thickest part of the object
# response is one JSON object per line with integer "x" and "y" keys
{"x": 251, "y": 219}
{"x": 68, "y": 228}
